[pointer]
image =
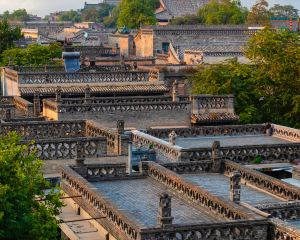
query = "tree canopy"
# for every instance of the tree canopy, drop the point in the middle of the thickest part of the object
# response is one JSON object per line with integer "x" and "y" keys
{"x": 222, "y": 12}
{"x": 21, "y": 183}
{"x": 285, "y": 11}
{"x": 216, "y": 13}
{"x": 71, "y": 15}
{"x": 33, "y": 55}
{"x": 8, "y": 35}
{"x": 16, "y": 15}
{"x": 266, "y": 90}
{"x": 134, "y": 13}
{"x": 259, "y": 13}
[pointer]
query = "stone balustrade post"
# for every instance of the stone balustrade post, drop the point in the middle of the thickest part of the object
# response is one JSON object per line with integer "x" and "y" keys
{"x": 80, "y": 154}
{"x": 58, "y": 94}
{"x": 235, "y": 187}
{"x": 120, "y": 126}
{"x": 216, "y": 158}
{"x": 165, "y": 218}
{"x": 87, "y": 94}
{"x": 37, "y": 104}
{"x": 130, "y": 159}
{"x": 7, "y": 114}
{"x": 175, "y": 97}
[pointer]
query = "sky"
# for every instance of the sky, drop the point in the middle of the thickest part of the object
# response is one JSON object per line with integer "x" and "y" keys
{"x": 43, "y": 7}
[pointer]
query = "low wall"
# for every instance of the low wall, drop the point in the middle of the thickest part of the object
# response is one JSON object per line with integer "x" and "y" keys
{"x": 137, "y": 115}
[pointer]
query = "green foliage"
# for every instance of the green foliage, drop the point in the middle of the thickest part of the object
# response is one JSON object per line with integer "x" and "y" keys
{"x": 8, "y": 35}
{"x": 259, "y": 13}
{"x": 111, "y": 20}
{"x": 33, "y": 55}
{"x": 21, "y": 182}
{"x": 257, "y": 160}
{"x": 17, "y": 15}
{"x": 222, "y": 12}
{"x": 285, "y": 11}
{"x": 267, "y": 90}
{"x": 90, "y": 15}
{"x": 186, "y": 20}
{"x": 71, "y": 15}
{"x": 216, "y": 13}
{"x": 134, "y": 13}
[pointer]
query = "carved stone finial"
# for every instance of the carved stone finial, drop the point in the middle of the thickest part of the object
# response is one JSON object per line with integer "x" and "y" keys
{"x": 58, "y": 94}
{"x": 172, "y": 138}
{"x": 235, "y": 186}
{"x": 87, "y": 93}
{"x": 120, "y": 126}
{"x": 7, "y": 114}
{"x": 175, "y": 91}
{"x": 216, "y": 158}
{"x": 165, "y": 218}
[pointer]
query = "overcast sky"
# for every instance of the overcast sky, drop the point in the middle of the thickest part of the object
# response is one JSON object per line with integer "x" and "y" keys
{"x": 43, "y": 7}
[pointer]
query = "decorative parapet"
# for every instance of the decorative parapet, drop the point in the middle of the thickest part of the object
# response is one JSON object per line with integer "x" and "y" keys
{"x": 119, "y": 224}
{"x": 254, "y": 230}
{"x": 66, "y": 148}
{"x": 106, "y": 172}
{"x": 283, "y": 210}
{"x": 290, "y": 134}
{"x": 264, "y": 182}
{"x": 172, "y": 152}
{"x": 189, "y": 167}
{"x": 200, "y": 196}
{"x": 246, "y": 154}
{"x": 81, "y": 77}
{"x": 229, "y": 130}
{"x": 94, "y": 51}
{"x": 282, "y": 231}
{"x": 45, "y": 130}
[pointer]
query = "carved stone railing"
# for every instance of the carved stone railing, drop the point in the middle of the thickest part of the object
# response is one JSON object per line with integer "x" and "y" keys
{"x": 283, "y": 210}
{"x": 264, "y": 182}
{"x": 246, "y": 154}
{"x": 173, "y": 153}
{"x": 290, "y": 134}
{"x": 91, "y": 201}
{"x": 66, "y": 148}
{"x": 126, "y": 107}
{"x": 81, "y": 77}
{"x": 24, "y": 106}
{"x": 200, "y": 196}
{"x": 107, "y": 68}
{"x": 254, "y": 230}
{"x": 119, "y": 100}
{"x": 189, "y": 167}
{"x": 45, "y": 130}
{"x": 213, "y": 101}
{"x": 282, "y": 231}
{"x": 230, "y": 130}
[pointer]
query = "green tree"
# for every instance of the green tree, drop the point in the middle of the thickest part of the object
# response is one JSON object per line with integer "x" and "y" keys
{"x": 134, "y": 13}
{"x": 8, "y": 35}
{"x": 90, "y": 15}
{"x": 266, "y": 90}
{"x": 222, "y": 12}
{"x": 104, "y": 11}
{"x": 71, "y": 15}
{"x": 111, "y": 20}
{"x": 284, "y": 11}
{"x": 259, "y": 13}
{"x": 186, "y": 20}
{"x": 33, "y": 55}
{"x": 21, "y": 183}
{"x": 19, "y": 15}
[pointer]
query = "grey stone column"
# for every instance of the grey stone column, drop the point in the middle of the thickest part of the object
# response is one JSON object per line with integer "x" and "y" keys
{"x": 8, "y": 114}
{"x": 37, "y": 104}
{"x": 87, "y": 94}
{"x": 58, "y": 94}
{"x": 216, "y": 158}
{"x": 165, "y": 218}
{"x": 235, "y": 187}
{"x": 120, "y": 126}
{"x": 129, "y": 160}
